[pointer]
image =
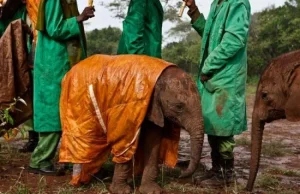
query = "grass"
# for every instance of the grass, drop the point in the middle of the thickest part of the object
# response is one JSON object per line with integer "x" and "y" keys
{"x": 271, "y": 184}
{"x": 167, "y": 175}
{"x": 186, "y": 188}
{"x": 42, "y": 184}
{"x": 19, "y": 188}
{"x": 279, "y": 171}
{"x": 243, "y": 141}
{"x": 95, "y": 186}
{"x": 192, "y": 189}
{"x": 267, "y": 181}
{"x": 275, "y": 149}
{"x": 8, "y": 153}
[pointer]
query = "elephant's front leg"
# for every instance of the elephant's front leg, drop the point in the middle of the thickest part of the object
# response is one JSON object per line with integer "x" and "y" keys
{"x": 151, "y": 139}
{"x": 119, "y": 182}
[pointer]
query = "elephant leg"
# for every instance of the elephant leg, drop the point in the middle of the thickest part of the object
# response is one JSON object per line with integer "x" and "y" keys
{"x": 151, "y": 138}
{"x": 119, "y": 183}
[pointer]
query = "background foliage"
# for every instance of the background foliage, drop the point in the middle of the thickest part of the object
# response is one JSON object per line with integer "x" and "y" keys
{"x": 273, "y": 31}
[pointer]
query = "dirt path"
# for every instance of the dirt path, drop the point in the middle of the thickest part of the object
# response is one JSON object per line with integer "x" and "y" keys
{"x": 279, "y": 171}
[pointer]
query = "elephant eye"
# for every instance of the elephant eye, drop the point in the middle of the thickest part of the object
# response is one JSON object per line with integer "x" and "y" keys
{"x": 264, "y": 95}
{"x": 179, "y": 106}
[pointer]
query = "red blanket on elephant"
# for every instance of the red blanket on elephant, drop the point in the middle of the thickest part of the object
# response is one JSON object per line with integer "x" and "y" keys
{"x": 104, "y": 101}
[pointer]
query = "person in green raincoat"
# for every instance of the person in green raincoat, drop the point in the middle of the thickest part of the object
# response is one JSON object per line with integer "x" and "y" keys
{"x": 11, "y": 11}
{"x": 142, "y": 29}
{"x": 60, "y": 45}
{"x": 222, "y": 81}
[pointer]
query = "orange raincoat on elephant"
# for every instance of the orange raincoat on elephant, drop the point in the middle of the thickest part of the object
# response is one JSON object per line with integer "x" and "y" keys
{"x": 103, "y": 104}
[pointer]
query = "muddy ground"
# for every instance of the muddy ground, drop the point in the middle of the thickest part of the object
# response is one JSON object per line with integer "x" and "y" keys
{"x": 279, "y": 171}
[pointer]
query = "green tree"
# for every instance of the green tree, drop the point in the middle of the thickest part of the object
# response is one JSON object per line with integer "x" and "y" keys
{"x": 185, "y": 53}
{"x": 273, "y": 31}
{"x": 104, "y": 41}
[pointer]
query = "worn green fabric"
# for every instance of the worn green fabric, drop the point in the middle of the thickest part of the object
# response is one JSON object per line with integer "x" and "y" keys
{"x": 142, "y": 29}
{"x": 45, "y": 150}
{"x": 20, "y": 14}
{"x": 52, "y": 62}
{"x": 224, "y": 57}
{"x": 222, "y": 146}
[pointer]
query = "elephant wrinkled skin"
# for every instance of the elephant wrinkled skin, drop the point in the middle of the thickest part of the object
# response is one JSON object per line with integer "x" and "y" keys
{"x": 277, "y": 97}
{"x": 175, "y": 100}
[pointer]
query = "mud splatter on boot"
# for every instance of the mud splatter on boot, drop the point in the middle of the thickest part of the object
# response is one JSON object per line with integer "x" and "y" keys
{"x": 208, "y": 174}
{"x": 225, "y": 176}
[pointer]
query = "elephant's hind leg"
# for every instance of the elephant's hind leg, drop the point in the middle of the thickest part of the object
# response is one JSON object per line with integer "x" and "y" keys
{"x": 151, "y": 139}
{"x": 121, "y": 173}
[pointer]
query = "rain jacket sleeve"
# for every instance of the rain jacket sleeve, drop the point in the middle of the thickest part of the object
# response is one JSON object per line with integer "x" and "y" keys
{"x": 235, "y": 38}
{"x": 199, "y": 25}
{"x": 59, "y": 28}
{"x": 135, "y": 27}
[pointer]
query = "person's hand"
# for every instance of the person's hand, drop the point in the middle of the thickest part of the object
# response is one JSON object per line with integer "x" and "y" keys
{"x": 204, "y": 77}
{"x": 87, "y": 13}
{"x": 190, "y": 3}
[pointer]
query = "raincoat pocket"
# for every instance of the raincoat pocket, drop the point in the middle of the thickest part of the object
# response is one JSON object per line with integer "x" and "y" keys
{"x": 218, "y": 79}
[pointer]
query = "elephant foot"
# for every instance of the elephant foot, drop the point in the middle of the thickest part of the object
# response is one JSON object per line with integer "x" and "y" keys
{"x": 150, "y": 188}
{"x": 120, "y": 189}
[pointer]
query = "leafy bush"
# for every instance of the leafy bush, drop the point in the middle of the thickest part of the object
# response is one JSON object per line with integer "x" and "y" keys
{"x": 6, "y": 118}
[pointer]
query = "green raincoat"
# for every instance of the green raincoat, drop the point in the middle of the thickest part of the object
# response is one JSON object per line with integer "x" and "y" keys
{"x": 224, "y": 57}
{"x": 20, "y": 14}
{"x": 60, "y": 45}
{"x": 142, "y": 28}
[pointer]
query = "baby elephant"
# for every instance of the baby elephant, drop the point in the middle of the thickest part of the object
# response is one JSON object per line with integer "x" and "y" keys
{"x": 277, "y": 97}
{"x": 132, "y": 107}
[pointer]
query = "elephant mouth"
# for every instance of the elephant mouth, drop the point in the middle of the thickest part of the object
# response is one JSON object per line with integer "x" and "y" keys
{"x": 174, "y": 122}
{"x": 274, "y": 114}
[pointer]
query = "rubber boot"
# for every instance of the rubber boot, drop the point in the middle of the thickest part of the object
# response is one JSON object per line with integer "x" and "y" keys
{"x": 216, "y": 167}
{"x": 33, "y": 140}
{"x": 228, "y": 166}
{"x": 224, "y": 177}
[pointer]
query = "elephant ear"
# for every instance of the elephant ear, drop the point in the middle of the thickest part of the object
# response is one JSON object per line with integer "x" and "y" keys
{"x": 292, "y": 106}
{"x": 155, "y": 113}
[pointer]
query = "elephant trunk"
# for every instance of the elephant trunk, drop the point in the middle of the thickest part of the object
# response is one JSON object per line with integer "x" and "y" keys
{"x": 197, "y": 136}
{"x": 256, "y": 145}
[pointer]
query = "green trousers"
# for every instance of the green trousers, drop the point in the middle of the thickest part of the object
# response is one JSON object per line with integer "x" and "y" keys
{"x": 222, "y": 146}
{"x": 45, "y": 150}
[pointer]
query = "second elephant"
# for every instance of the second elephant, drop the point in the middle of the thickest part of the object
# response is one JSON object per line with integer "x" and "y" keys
{"x": 277, "y": 97}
